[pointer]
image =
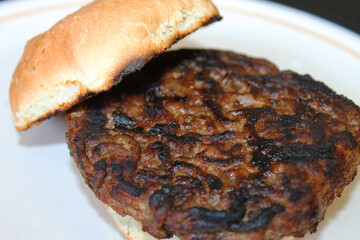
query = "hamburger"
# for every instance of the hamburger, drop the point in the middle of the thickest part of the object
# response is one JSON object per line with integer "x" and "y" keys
{"x": 200, "y": 144}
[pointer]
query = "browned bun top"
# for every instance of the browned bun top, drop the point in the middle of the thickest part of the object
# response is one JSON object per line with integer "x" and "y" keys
{"x": 92, "y": 49}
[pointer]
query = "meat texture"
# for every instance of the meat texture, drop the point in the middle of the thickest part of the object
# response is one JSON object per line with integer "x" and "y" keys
{"x": 217, "y": 145}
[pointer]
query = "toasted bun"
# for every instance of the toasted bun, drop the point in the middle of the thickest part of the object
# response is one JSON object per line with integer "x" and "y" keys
{"x": 132, "y": 229}
{"x": 92, "y": 49}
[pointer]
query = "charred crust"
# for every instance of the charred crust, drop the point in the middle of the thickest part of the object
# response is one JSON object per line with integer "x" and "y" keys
{"x": 128, "y": 188}
{"x": 346, "y": 138}
{"x": 160, "y": 196}
{"x": 214, "y": 182}
{"x": 260, "y": 160}
{"x": 221, "y": 136}
{"x": 94, "y": 122}
{"x": 117, "y": 169}
{"x": 180, "y": 99}
{"x": 149, "y": 177}
{"x": 63, "y": 108}
{"x": 212, "y": 220}
{"x": 215, "y": 109}
{"x": 100, "y": 165}
{"x": 188, "y": 138}
{"x": 162, "y": 151}
{"x": 49, "y": 115}
{"x": 134, "y": 65}
{"x": 86, "y": 96}
{"x": 179, "y": 164}
{"x": 223, "y": 162}
{"x": 295, "y": 196}
{"x": 286, "y": 183}
{"x": 259, "y": 221}
{"x": 213, "y": 19}
{"x": 163, "y": 129}
{"x": 123, "y": 120}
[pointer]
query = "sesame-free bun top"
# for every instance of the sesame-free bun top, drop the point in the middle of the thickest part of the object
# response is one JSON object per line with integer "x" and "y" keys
{"x": 92, "y": 49}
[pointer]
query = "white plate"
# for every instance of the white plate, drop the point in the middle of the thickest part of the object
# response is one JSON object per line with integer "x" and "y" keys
{"x": 42, "y": 194}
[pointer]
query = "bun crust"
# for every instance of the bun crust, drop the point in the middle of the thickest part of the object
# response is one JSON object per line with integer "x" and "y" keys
{"x": 92, "y": 49}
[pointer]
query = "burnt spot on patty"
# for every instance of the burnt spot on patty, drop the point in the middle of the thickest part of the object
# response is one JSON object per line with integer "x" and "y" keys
{"x": 123, "y": 120}
{"x": 217, "y": 145}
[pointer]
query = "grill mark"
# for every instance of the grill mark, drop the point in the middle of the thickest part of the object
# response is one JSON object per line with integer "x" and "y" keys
{"x": 100, "y": 165}
{"x": 139, "y": 130}
{"x": 127, "y": 187}
{"x": 253, "y": 114}
{"x": 96, "y": 150}
{"x": 306, "y": 83}
{"x": 211, "y": 90}
{"x": 147, "y": 177}
{"x": 160, "y": 196}
{"x": 224, "y": 162}
{"x": 150, "y": 94}
{"x": 268, "y": 153}
{"x": 214, "y": 216}
{"x": 260, "y": 160}
{"x": 181, "y": 99}
{"x": 191, "y": 182}
{"x": 214, "y": 182}
{"x": 184, "y": 139}
{"x": 154, "y": 107}
{"x": 176, "y": 99}
{"x": 163, "y": 129}
{"x": 159, "y": 129}
{"x": 180, "y": 164}
{"x": 295, "y": 196}
{"x": 286, "y": 183}
{"x": 318, "y": 131}
{"x": 211, "y": 87}
{"x": 160, "y": 202}
{"x": 221, "y": 136}
{"x": 123, "y": 120}
{"x": 215, "y": 109}
{"x": 238, "y": 198}
{"x": 162, "y": 151}
{"x": 127, "y": 168}
{"x": 93, "y": 123}
{"x": 303, "y": 110}
{"x": 346, "y": 138}
{"x": 155, "y": 110}
{"x": 259, "y": 221}
{"x": 117, "y": 169}
{"x": 96, "y": 120}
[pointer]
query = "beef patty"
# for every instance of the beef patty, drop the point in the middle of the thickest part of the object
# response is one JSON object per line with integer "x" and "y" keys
{"x": 217, "y": 145}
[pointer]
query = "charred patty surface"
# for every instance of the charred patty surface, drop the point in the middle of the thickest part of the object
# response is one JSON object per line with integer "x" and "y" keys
{"x": 216, "y": 145}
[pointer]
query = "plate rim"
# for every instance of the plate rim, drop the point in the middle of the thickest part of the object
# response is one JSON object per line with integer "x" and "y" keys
{"x": 221, "y": 5}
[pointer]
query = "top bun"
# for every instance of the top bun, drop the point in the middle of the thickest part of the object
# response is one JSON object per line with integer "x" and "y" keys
{"x": 92, "y": 49}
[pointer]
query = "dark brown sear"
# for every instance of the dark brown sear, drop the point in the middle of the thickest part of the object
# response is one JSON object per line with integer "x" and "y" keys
{"x": 216, "y": 145}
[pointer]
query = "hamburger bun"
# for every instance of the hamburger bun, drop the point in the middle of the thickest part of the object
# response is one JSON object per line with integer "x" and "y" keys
{"x": 92, "y": 50}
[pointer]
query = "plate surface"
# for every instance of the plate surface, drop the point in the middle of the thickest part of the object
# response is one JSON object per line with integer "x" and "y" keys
{"x": 42, "y": 194}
